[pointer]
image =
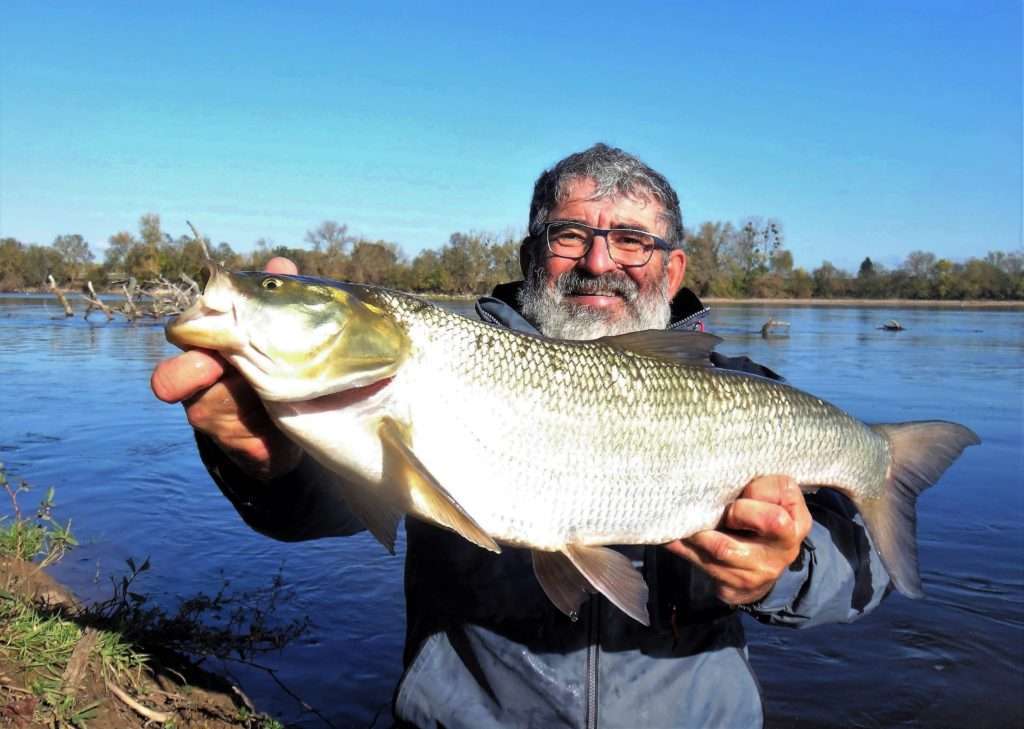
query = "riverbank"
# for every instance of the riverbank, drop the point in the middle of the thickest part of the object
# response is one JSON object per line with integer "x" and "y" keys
{"x": 114, "y": 663}
{"x": 59, "y": 667}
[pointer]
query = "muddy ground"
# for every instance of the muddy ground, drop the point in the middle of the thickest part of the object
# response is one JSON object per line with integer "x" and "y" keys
{"x": 172, "y": 692}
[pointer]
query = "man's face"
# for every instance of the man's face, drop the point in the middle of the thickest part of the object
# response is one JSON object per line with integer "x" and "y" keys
{"x": 594, "y": 296}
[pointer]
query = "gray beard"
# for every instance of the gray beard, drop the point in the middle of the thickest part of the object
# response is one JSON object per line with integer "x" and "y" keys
{"x": 547, "y": 309}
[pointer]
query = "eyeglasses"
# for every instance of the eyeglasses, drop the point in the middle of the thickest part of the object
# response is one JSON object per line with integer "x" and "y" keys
{"x": 627, "y": 247}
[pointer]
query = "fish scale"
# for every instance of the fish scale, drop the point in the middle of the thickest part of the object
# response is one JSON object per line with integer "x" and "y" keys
{"x": 561, "y": 447}
{"x": 624, "y": 466}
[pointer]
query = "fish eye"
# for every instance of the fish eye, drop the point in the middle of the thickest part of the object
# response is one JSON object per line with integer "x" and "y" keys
{"x": 270, "y": 283}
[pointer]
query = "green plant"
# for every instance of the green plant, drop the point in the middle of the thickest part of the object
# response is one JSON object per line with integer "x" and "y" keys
{"x": 30, "y": 538}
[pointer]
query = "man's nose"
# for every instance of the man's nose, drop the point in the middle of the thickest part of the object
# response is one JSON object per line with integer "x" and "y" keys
{"x": 597, "y": 260}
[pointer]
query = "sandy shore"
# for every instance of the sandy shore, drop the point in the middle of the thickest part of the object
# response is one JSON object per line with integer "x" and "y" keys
{"x": 873, "y": 303}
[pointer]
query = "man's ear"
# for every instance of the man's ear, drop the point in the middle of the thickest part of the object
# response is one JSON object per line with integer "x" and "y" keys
{"x": 676, "y": 271}
{"x": 526, "y": 256}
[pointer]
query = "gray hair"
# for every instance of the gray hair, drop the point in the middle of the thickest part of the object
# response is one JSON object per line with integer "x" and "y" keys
{"x": 616, "y": 173}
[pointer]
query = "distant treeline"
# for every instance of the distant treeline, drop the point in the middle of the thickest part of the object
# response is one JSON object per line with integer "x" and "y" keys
{"x": 725, "y": 260}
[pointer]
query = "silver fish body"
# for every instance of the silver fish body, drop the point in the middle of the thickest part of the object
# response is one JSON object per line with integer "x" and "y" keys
{"x": 547, "y": 442}
{"x": 561, "y": 447}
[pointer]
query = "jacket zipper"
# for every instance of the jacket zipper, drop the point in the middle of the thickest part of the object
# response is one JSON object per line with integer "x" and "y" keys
{"x": 593, "y": 651}
{"x": 688, "y": 321}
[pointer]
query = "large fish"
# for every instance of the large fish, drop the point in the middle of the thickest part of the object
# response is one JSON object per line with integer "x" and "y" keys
{"x": 560, "y": 447}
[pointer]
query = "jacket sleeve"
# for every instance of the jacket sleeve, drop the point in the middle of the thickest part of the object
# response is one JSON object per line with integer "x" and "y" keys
{"x": 303, "y": 504}
{"x": 838, "y": 576}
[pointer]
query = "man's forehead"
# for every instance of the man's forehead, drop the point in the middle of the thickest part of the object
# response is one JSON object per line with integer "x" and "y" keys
{"x": 637, "y": 208}
{"x": 584, "y": 189}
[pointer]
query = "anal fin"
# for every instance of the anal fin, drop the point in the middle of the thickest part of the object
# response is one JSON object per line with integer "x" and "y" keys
{"x": 561, "y": 581}
{"x": 613, "y": 575}
{"x": 426, "y": 497}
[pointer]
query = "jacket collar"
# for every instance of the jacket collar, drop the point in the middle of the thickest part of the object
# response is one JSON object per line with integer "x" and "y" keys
{"x": 502, "y": 308}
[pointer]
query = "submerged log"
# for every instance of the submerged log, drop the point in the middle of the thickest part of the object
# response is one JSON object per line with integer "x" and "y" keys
{"x": 775, "y": 328}
{"x": 93, "y": 302}
{"x": 68, "y": 311}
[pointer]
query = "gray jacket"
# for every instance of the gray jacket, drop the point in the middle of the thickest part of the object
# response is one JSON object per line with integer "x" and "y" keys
{"x": 485, "y": 647}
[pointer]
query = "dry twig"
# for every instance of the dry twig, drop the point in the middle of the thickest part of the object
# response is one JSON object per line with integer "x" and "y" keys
{"x": 158, "y": 716}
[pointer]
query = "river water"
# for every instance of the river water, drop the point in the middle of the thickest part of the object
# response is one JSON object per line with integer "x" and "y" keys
{"x": 78, "y": 415}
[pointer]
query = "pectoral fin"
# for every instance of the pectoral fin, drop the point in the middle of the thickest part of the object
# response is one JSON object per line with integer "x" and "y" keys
{"x": 426, "y": 497}
{"x": 613, "y": 575}
{"x": 561, "y": 581}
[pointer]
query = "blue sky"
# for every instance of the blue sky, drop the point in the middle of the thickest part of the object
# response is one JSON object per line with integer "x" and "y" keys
{"x": 866, "y": 128}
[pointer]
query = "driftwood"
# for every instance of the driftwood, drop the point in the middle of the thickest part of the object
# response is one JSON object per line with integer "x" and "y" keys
{"x": 74, "y": 672}
{"x": 92, "y": 301}
{"x": 892, "y": 326}
{"x": 68, "y": 311}
{"x": 775, "y": 328}
{"x": 154, "y": 299}
{"x": 159, "y": 717}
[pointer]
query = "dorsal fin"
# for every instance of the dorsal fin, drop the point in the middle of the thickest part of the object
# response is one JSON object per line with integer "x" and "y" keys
{"x": 692, "y": 348}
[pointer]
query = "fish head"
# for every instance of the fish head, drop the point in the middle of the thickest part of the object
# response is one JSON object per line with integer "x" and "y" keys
{"x": 292, "y": 337}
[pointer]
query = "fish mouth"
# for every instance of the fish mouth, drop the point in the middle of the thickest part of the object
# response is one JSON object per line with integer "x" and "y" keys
{"x": 200, "y": 326}
{"x": 211, "y": 321}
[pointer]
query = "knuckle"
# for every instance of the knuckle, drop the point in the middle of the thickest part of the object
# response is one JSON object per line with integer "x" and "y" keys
{"x": 198, "y": 416}
{"x": 722, "y": 551}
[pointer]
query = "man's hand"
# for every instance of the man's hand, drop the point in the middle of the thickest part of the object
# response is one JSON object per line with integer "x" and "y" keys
{"x": 220, "y": 403}
{"x": 758, "y": 538}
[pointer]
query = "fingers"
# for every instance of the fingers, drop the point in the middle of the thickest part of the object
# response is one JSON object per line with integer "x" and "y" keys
{"x": 231, "y": 413}
{"x": 761, "y": 518}
{"x": 181, "y": 377}
{"x": 743, "y": 572}
{"x": 226, "y": 405}
{"x": 757, "y": 538}
{"x": 281, "y": 265}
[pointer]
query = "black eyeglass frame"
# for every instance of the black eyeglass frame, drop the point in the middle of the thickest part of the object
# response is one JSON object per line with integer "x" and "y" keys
{"x": 660, "y": 244}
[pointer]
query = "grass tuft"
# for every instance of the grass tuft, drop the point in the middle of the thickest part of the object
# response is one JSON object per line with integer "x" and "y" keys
{"x": 38, "y": 641}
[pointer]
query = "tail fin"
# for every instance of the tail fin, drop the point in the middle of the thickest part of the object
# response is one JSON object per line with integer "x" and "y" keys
{"x": 921, "y": 452}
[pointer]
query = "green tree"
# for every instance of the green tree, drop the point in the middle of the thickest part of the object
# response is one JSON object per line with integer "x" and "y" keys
{"x": 829, "y": 281}
{"x": 920, "y": 269}
{"x": 753, "y": 246}
{"x": 12, "y": 264}
{"x": 223, "y": 254}
{"x": 781, "y": 262}
{"x": 40, "y": 262}
{"x": 119, "y": 245}
{"x": 183, "y": 255}
{"x": 871, "y": 280}
{"x": 74, "y": 253}
{"x": 467, "y": 259}
{"x": 143, "y": 261}
{"x": 375, "y": 263}
{"x": 801, "y": 284}
{"x": 504, "y": 263}
{"x": 427, "y": 274}
{"x": 704, "y": 253}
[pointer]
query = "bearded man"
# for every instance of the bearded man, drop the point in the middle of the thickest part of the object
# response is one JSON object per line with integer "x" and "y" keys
{"x": 484, "y": 645}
